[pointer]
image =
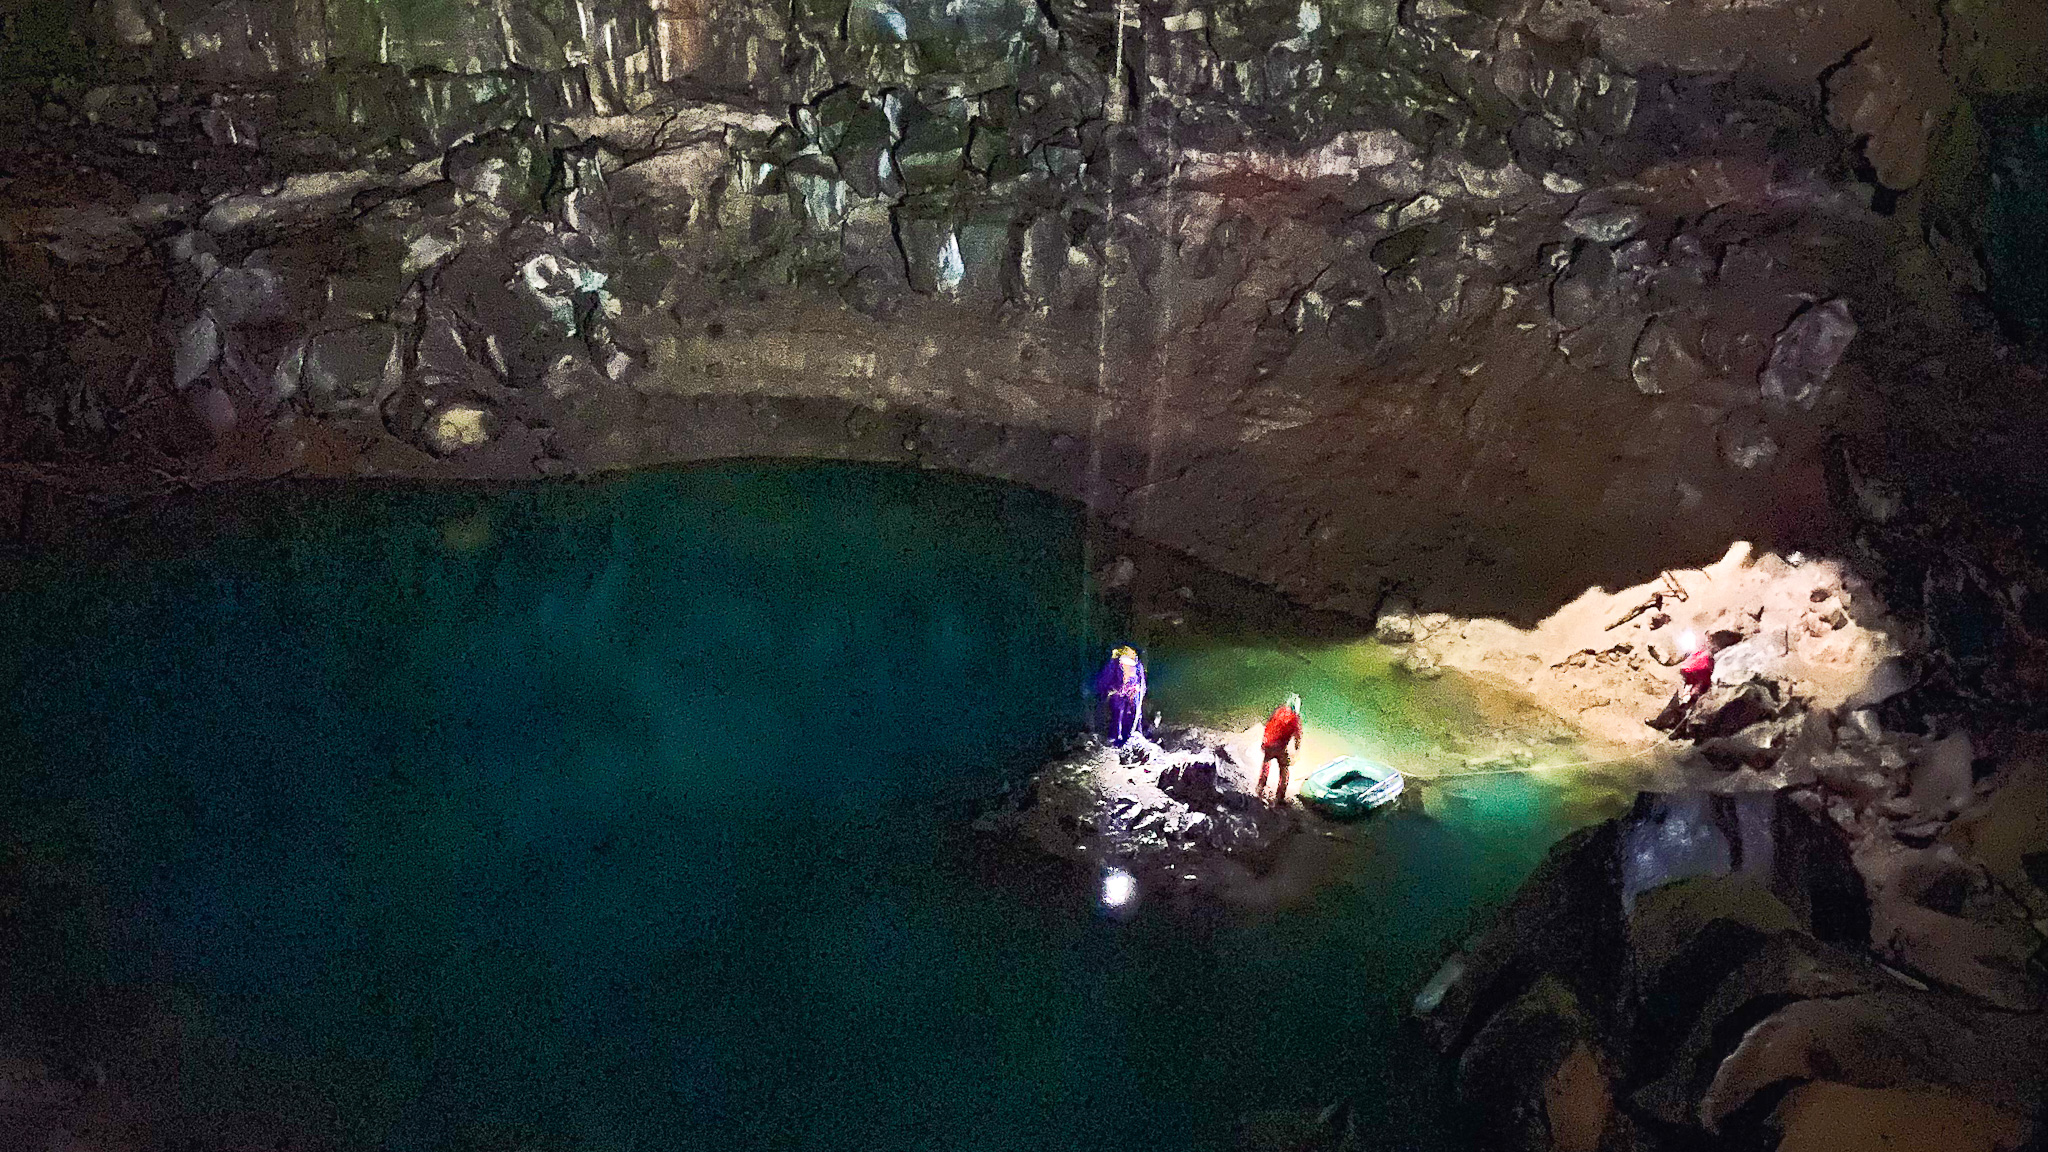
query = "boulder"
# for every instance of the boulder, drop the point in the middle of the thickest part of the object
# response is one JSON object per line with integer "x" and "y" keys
{"x": 506, "y": 167}
{"x": 1890, "y": 678}
{"x": 1823, "y": 1115}
{"x": 1585, "y": 293}
{"x": 1726, "y": 709}
{"x": 1668, "y": 924}
{"x": 1946, "y": 919}
{"x": 1806, "y": 353}
{"x": 1762, "y": 837}
{"x": 458, "y": 426}
{"x": 1758, "y": 657}
{"x": 1758, "y": 746}
{"x": 1396, "y": 623}
{"x": 198, "y": 349}
{"x": 1855, "y": 774}
{"x": 1746, "y": 442}
{"x": 1727, "y": 978}
{"x": 1420, "y": 663}
{"x": 1565, "y": 919}
{"x": 1533, "y": 1074}
{"x": 344, "y": 371}
{"x": 1861, "y": 725}
{"x": 1192, "y": 782}
{"x": 1599, "y": 218}
{"x": 213, "y": 408}
{"x": 1888, "y": 1039}
{"x": 240, "y": 297}
{"x": 1942, "y": 781}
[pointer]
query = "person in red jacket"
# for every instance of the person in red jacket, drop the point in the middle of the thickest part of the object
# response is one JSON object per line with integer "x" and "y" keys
{"x": 1695, "y": 675}
{"x": 1282, "y": 736}
{"x": 1698, "y": 671}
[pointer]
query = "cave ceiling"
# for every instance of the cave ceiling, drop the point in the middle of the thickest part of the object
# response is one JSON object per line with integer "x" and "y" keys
{"x": 1487, "y": 299}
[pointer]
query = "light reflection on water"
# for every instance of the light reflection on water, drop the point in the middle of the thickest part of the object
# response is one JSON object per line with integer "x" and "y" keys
{"x": 606, "y": 814}
{"x": 1467, "y": 734}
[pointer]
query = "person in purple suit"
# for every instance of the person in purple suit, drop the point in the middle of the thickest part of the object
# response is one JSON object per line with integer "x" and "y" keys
{"x": 1121, "y": 685}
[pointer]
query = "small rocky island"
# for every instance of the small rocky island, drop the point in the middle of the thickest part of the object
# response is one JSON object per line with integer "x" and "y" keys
{"x": 1177, "y": 813}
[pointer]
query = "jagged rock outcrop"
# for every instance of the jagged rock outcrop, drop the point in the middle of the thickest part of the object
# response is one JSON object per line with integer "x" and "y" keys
{"x": 1716, "y": 967}
{"x": 1178, "y": 816}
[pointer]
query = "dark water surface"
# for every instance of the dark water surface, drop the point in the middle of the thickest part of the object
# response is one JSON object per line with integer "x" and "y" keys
{"x": 625, "y": 816}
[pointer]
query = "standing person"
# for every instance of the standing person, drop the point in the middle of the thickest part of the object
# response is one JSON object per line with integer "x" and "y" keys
{"x": 1282, "y": 737}
{"x": 1121, "y": 684}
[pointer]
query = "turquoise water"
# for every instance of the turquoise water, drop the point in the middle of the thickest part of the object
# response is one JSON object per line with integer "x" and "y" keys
{"x": 1458, "y": 736}
{"x": 630, "y": 816}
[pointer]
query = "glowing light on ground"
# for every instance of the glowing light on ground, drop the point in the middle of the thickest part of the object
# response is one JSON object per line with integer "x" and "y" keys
{"x": 1118, "y": 888}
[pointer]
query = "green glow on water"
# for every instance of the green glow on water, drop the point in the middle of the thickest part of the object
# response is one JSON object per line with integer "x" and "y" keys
{"x": 1353, "y": 697}
{"x": 624, "y": 816}
{"x": 1497, "y": 774}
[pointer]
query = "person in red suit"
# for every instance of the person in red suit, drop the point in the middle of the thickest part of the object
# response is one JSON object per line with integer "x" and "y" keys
{"x": 1277, "y": 745}
{"x": 1698, "y": 672}
{"x": 1695, "y": 676}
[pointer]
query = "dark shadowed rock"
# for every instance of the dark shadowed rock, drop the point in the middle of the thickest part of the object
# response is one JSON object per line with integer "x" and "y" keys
{"x": 1759, "y": 746}
{"x": 1565, "y": 919}
{"x": 1806, "y": 354}
{"x": 1192, "y": 782}
{"x": 1734, "y": 978}
{"x": 1534, "y": 1074}
{"x": 1726, "y": 709}
{"x": 1894, "y": 1038}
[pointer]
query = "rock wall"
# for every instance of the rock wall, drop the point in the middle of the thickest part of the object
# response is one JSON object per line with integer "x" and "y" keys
{"x": 1718, "y": 971}
{"x": 1489, "y": 300}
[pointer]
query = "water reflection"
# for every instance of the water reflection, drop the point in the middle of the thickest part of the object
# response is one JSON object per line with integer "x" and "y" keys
{"x": 616, "y": 821}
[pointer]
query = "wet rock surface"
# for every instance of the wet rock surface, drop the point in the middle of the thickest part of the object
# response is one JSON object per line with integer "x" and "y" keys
{"x": 1177, "y": 815}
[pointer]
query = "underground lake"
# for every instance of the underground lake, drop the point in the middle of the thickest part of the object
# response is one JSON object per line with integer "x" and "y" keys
{"x": 633, "y": 814}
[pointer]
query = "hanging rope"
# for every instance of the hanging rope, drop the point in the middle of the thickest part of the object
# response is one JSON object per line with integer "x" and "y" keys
{"x": 1091, "y": 494}
{"x": 1637, "y": 754}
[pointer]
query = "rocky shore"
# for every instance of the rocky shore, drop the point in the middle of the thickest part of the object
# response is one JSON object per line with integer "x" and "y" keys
{"x": 1175, "y": 815}
{"x": 1828, "y": 934}
{"x": 1821, "y": 925}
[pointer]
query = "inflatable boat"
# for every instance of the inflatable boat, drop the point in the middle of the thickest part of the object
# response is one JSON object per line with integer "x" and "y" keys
{"x": 1349, "y": 787}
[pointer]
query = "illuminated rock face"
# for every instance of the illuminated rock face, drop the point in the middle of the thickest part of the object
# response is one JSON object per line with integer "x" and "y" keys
{"x": 1338, "y": 296}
